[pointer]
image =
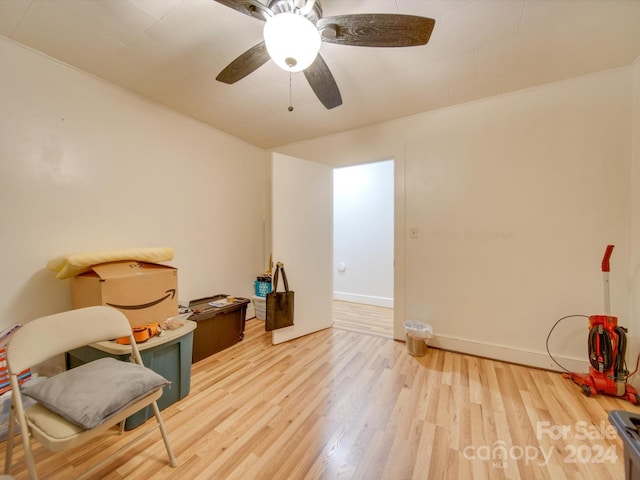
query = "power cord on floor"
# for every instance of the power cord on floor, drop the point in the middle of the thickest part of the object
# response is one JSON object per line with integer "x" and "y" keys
{"x": 636, "y": 370}
{"x": 549, "y": 335}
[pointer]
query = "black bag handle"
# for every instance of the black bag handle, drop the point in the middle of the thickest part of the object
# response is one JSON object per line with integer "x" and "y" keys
{"x": 280, "y": 267}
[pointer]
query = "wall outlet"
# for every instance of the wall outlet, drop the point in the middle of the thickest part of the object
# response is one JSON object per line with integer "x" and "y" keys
{"x": 413, "y": 233}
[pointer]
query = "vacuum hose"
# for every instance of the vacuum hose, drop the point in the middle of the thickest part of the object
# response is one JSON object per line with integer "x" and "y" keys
{"x": 600, "y": 354}
{"x": 621, "y": 364}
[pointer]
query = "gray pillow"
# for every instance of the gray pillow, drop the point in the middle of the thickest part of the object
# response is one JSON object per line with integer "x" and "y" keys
{"x": 89, "y": 394}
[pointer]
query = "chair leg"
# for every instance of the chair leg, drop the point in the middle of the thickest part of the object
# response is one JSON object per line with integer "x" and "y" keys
{"x": 18, "y": 412}
{"x": 26, "y": 445}
{"x": 165, "y": 437}
{"x": 8, "y": 458}
{"x": 28, "y": 455}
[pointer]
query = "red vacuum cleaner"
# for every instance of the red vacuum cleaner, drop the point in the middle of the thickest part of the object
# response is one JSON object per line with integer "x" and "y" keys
{"x": 607, "y": 352}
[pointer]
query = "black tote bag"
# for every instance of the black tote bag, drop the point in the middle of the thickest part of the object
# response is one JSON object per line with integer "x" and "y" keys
{"x": 279, "y": 304}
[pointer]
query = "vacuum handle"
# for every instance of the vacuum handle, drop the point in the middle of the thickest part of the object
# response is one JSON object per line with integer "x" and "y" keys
{"x": 605, "y": 259}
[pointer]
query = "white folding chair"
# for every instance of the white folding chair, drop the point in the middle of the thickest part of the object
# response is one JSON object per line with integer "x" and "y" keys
{"x": 54, "y": 426}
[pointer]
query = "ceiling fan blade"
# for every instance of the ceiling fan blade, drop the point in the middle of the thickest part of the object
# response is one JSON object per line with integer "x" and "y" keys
{"x": 323, "y": 84}
{"x": 376, "y": 30}
{"x": 245, "y": 64}
{"x": 253, "y": 8}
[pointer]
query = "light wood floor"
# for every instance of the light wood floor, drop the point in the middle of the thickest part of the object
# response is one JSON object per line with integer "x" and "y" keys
{"x": 340, "y": 405}
{"x": 356, "y": 317}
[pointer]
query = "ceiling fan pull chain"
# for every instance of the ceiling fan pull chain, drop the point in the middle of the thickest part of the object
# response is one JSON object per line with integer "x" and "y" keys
{"x": 290, "y": 102}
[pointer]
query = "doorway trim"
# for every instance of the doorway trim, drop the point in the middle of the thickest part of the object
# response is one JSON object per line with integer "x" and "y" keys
{"x": 399, "y": 245}
{"x": 399, "y": 238}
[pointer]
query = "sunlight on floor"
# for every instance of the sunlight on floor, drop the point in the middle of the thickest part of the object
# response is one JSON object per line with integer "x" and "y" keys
{"x": 356, "y": 317}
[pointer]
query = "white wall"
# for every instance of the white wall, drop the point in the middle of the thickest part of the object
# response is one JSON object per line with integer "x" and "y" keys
{"x": 516, "y": 198}
{"x": 363, "y": 233}
{"x": 87, "y": 166}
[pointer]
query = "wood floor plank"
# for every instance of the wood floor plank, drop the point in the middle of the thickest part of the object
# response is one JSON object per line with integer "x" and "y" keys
{"x": 360, "y": 318}
{"x": 343, "y": 404}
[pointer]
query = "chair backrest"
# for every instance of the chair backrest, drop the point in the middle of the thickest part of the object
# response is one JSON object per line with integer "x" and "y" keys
{"x": 45, "y": 337}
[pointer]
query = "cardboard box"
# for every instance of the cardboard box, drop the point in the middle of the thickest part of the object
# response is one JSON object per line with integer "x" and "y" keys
{"x": 144, "y": 292}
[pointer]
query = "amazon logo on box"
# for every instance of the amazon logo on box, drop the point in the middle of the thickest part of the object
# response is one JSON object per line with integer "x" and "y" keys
{"x": 144, "y": 292}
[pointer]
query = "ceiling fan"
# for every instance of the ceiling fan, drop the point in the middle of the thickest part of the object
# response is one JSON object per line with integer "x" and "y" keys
{"x": 361, "y": 30}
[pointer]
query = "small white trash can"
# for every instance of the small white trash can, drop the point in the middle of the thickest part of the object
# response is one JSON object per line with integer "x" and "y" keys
{"x": 418, "y": 335}
{"x": 260, "y": 305}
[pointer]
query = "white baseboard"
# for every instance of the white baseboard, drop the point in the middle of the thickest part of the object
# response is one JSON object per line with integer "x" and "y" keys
{"x": 471, "y": 347}
{"x": 364, "y": 299}
{"x": 509, "y": 354}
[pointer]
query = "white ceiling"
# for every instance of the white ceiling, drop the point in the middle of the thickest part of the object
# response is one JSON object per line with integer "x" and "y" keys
{"x": 171, "y": 51}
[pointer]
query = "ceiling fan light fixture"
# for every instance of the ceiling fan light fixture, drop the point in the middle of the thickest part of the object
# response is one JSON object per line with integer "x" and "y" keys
{"x": 293, "y": 42}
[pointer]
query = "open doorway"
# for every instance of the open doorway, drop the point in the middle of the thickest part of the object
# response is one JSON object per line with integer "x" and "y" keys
{"x": 363, "y": 247}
